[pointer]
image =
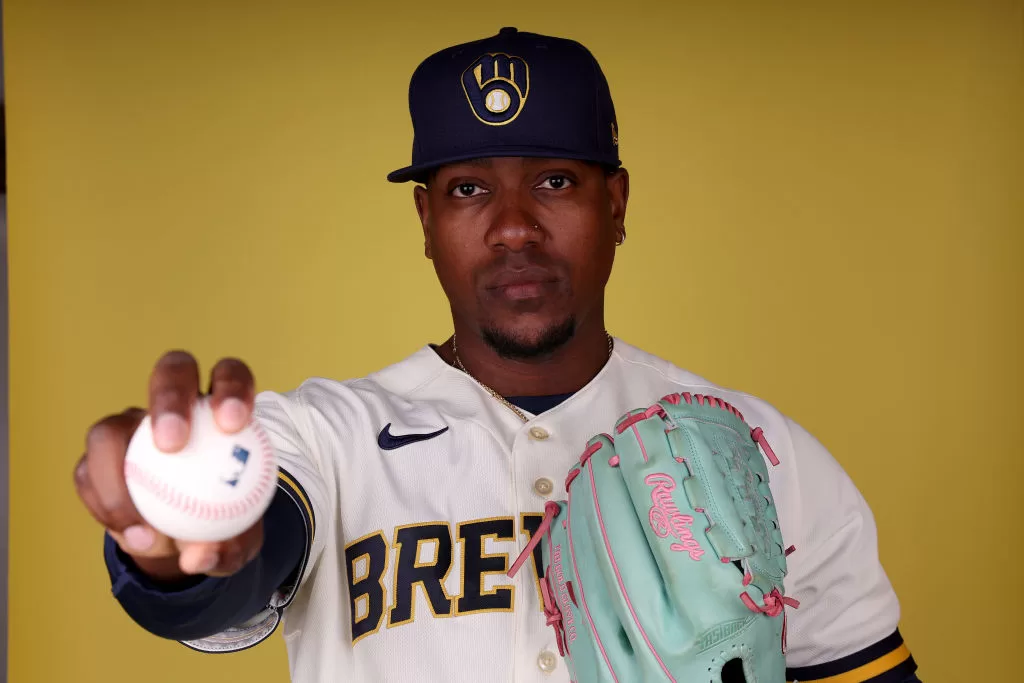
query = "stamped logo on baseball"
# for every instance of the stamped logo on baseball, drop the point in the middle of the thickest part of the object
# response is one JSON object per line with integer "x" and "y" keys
{"x": 215, "y": 488}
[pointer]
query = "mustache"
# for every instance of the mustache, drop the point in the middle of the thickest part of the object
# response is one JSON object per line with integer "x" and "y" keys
{"x": 521, "y": 262}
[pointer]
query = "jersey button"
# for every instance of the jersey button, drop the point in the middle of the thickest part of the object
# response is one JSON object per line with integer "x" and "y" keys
{"x": 543, "y": 487}
{"x": 546, "y": 661}
{"x": 539, "y": 433}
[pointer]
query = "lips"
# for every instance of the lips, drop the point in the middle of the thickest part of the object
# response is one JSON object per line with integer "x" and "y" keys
{"x": 527, "y": 290}
{"x": 528, "y": 283}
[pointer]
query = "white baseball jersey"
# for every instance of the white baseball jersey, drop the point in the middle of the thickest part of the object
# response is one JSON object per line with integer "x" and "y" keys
{"x": 419, "y": 489}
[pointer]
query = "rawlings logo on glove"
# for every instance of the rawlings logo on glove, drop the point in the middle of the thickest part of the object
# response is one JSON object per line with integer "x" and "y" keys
{"x": 667, "y": 519}
{"x": 666, "y": 559}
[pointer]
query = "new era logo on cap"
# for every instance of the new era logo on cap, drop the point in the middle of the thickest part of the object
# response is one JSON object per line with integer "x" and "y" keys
{"x": 513, "y": 94}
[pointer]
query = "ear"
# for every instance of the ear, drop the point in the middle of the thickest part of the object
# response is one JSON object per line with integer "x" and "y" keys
{"x": 421, "y": 198}
{"x": 618, "y": 198}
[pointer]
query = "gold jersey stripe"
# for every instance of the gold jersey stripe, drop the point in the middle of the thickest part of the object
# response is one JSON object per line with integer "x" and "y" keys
{"x": 301, "y": 495}
{"x": 866, "y": 672}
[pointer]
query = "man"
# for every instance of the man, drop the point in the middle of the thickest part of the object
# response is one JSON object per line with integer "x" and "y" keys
{"x": 403, "y": 495}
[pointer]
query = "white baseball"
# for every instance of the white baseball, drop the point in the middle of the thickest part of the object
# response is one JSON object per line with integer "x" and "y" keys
{"x": 215, "y": 488}
{"x": 497, "y": 101}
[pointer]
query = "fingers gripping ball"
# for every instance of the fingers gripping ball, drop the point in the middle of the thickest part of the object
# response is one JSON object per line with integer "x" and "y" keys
{"x": 666, "y": 560}
{"x": 215, "y": 488}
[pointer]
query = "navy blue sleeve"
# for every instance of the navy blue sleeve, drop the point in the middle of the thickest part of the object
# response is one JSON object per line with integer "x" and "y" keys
{"x": 203, "y": 606}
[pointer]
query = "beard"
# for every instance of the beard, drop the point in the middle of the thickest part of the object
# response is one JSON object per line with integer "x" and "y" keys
{"x": 514, "y": 347}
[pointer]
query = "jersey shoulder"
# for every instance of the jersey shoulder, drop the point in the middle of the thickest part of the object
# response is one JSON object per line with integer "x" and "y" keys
{"x": 353, "y": 397}
{"x": 653, "y": 373}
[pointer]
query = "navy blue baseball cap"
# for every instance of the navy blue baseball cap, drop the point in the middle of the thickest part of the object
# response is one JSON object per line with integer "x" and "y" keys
{"x": 513, "y": 94}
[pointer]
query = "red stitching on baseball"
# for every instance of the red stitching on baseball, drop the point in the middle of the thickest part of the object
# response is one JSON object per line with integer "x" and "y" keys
{"x": 206, "y": 510}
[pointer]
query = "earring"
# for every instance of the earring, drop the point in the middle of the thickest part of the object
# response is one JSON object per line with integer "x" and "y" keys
{"x": 620, "y": 239}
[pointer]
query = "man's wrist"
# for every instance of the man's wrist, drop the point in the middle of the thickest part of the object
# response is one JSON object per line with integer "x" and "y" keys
{"x": 161, "y": 571}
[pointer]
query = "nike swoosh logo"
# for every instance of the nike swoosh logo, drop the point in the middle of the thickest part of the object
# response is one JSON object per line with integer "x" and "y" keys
{"x": 389, "y": 442}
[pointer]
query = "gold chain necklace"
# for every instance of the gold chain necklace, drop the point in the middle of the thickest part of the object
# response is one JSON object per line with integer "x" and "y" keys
{"x": 495, "y": 394}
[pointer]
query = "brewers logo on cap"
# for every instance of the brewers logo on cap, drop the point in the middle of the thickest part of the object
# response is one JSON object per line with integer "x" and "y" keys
{"x": 468, "y": 101}
{"x": 496, "y": 86}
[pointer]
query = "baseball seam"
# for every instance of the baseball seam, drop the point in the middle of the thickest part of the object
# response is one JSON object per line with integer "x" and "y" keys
{"x": 205, "y": 510}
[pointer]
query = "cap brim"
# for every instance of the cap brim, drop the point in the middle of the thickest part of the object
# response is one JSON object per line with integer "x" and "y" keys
{"x": 420, "y": 172}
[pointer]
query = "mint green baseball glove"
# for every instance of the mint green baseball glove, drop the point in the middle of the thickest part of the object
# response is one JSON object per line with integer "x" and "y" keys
{"x": 666, "y": 562}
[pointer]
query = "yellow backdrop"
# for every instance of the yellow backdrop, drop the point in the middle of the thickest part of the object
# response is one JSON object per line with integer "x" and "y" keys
{"x": 829, "y": 195}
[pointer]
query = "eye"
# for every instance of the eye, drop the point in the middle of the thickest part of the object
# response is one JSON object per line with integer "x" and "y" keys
{"x": 556, "y": 182}
{"x": 467, "y": 190}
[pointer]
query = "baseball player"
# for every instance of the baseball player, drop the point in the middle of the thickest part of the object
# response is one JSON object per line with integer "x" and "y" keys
{"x": 405, "y": 496}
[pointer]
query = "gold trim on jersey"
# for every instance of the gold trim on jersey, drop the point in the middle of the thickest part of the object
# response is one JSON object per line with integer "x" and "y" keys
{"x": 300, "y": 494}
{"x": 483, "y": 575}
{"x": 380, "y": 581}
{"x": 359, "y": 577}
{"x": 363, "y": 600}
{"x": 866, "y": 672}
{"x": 396, "y": 547}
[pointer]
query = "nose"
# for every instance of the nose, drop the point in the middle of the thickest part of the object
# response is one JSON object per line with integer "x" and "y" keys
{"x": 514, "y": 228}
